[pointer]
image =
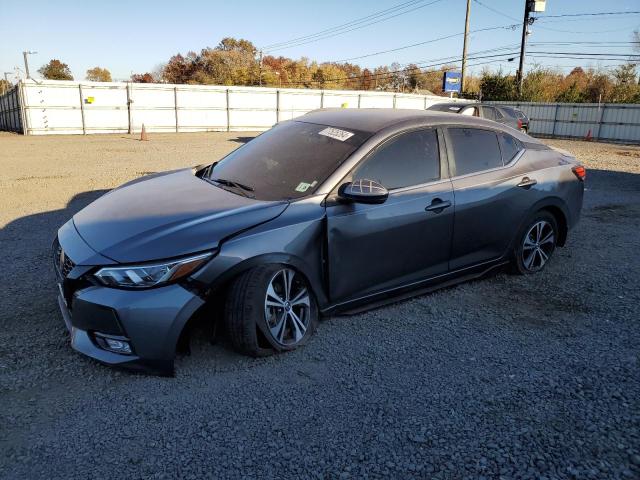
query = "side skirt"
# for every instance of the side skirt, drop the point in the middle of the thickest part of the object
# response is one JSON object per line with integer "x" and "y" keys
{"x": 398, "y": 294}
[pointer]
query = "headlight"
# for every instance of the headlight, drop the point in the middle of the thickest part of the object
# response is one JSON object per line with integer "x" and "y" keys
{"x": 150, "y": 275}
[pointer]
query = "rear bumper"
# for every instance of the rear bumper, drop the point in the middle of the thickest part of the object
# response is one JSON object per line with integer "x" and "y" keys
{"x": 150, "y": 320}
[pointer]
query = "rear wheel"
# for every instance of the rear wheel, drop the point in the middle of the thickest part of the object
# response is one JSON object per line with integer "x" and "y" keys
{"x": 270, "y": 308}
{"x": 536, "y": 244}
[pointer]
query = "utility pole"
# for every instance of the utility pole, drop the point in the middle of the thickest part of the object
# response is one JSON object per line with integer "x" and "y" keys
{"x": 464, "y": 46}
{"x": 260, "y": 70}
{"x": 26, "y": 62}
{"x": 5, "y": 85}
{"x": 525, "y": 28}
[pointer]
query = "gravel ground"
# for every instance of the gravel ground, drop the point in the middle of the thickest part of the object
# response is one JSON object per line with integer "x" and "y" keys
{"x": 505, "y": 377}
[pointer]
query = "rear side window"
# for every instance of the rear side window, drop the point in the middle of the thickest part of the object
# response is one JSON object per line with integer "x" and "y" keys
{"x": 474, "y": 150}
{"x": 508, "y": 112}
{"x": 510, "y": 147}
{"x": 409, "y": 159}
{"x": 488, "y": 113}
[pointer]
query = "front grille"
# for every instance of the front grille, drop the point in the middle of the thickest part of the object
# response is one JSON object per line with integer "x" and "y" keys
{"x": 62, "y": 262}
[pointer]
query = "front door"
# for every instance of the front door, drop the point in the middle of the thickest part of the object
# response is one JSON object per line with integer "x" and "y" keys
{"x": 373, "y": 248}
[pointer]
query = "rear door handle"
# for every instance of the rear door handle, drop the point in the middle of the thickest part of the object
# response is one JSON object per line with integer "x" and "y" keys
{"x": 527, "y": 182}
{"x": 438, "y": 205}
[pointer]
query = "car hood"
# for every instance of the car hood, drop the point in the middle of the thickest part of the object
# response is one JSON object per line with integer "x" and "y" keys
{"x": 168, "y": 215}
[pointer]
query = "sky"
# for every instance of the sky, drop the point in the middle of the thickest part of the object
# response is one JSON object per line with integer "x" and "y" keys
{"x": 136, "y": 36}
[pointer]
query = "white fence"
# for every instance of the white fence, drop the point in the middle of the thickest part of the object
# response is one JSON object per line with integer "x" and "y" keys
{"x": 612, "y": 122}
{"x": 61, "y": 107}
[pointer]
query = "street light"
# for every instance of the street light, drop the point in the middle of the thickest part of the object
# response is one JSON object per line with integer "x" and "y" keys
{"x": 279, "y": 80}
{"x": 26, "y": 62}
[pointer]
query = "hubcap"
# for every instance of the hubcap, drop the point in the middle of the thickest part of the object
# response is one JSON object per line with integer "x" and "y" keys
{"x": 538, "y": 245}
{"x": 287, "y": 307}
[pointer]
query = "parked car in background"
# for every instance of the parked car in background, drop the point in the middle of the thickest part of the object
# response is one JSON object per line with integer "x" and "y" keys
{"x": 498, "y": 113}
{"x": 336, "y": 210}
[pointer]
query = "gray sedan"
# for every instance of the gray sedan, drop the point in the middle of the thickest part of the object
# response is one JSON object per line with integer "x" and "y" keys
{"x": 337, "y": 210}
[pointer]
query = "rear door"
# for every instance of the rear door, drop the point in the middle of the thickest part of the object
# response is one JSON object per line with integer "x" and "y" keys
{"x": 490, "y": 197}
{"x": 372, "y": 248}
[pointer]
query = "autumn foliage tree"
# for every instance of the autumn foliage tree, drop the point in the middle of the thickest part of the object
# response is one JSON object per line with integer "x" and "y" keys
{"x": 55, "y": 70}
{"x": 97, "y": 74}
{"x": 237, "y": 62}
{"x": 142, "y": 78}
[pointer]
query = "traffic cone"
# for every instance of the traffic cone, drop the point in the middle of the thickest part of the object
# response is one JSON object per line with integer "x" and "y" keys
{"x": 588, "y": 138}
{"x": 143, "y": 134}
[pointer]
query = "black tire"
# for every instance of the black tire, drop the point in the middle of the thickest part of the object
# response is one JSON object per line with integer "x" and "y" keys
{"x": 530, "y": 243}
{"x": 245, "y": 312}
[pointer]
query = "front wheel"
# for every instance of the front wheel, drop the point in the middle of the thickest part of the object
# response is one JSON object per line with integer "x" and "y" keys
{"x": 536, "y": 243}
{"x": 270, "y": 308}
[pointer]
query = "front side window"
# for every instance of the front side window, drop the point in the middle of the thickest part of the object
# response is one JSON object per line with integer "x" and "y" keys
{"x": 289, "y": 161}
{"x": 409, "y": 159}
{"x": 474, "y": 150}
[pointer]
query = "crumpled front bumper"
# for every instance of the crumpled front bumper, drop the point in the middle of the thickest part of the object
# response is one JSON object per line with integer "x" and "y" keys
{"x": 150, "y": 320}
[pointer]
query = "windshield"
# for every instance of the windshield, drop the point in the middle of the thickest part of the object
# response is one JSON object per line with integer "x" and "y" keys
{"x": 289, "y": 161}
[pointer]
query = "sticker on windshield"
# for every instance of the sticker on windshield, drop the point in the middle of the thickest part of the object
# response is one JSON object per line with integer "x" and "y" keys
{"x": 336, "y": 133}
{"x": 303, "y": 186}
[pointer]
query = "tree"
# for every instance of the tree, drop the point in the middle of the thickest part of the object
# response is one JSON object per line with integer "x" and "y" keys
{"x": 56, "y": 70}
{"x": 97, "y": 74}
{"x": 626, "y": 84}
{"x": 496, "y": 86}
{"x": 4, "y": 86}
{"x": 142, "y": 78}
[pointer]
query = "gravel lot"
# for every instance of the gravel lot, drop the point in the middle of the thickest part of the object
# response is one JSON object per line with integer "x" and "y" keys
{"x": 505, "y": 377}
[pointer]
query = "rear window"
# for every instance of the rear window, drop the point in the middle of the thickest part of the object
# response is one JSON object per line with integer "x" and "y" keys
{"x": 289, "y": 161}
{"x": 474, "y": 150}
{"x": 445, "y": 107}
{"x": 510, "y": 147}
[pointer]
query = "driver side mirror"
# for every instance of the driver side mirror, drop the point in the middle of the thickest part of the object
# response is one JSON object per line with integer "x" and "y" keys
{"x": 363, "y": 191}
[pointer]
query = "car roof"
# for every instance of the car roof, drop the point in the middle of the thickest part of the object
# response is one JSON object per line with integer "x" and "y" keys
{"x": 373, "y": 120}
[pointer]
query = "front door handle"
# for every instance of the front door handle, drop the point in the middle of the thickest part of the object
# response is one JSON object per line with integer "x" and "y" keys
{"x": 438, "y": 205}
{"x": 527, "y": 182}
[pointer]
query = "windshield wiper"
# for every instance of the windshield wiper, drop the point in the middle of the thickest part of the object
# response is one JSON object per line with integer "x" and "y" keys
{"x": 234, "y": 184}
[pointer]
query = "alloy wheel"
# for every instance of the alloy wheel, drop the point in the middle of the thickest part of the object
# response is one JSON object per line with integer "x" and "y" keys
{"x": 287, "y": 307}
{"x": 538, "y": 244}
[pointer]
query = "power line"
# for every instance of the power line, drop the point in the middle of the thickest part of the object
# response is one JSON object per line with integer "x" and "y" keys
{"x": 386, "y": 74}
{"x": 549, "y": 16}
{"x": 342, "y": 30}
{"x": 495, "y": 58}
{"x": 345, "y": 25}
{"x": 433, "y": 40}
{"x": 593, "y": 14}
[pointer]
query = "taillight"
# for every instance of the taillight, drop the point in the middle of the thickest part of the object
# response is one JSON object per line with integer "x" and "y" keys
{"x": 519, "y": 123}
{"x": 579, "y": 172}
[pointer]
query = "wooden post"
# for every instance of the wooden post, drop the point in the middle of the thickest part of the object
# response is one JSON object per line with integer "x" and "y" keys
{"x": 129, "y": 101}
{"x": 321, "y": 98}
{"x": 277, "y": 106}
{"x": 555, "y": 120}
{"x": 600, "y": 119}
{"x": 228, "y": 113}
{"x": 175, "y": 104}
{"x": 21, "y": 105}
{"x": 84, "y": 128}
